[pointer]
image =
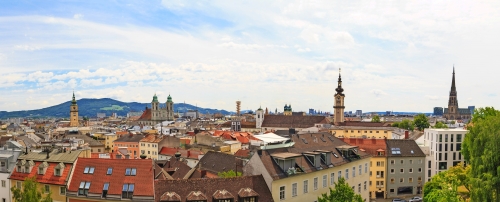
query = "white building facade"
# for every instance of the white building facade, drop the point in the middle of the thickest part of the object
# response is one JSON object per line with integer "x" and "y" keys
{"x": 445, "y": 147}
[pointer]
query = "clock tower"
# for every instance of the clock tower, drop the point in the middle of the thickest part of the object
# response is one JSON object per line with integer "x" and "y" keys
{"x": 339, "y": 102}
{"x": 73, "y": 113}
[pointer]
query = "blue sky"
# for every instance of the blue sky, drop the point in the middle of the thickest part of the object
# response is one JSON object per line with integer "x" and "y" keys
{"x": 394, "y": 55}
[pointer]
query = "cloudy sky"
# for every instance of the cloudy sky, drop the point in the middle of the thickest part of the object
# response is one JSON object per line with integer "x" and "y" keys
{"x": 394, "y": 55}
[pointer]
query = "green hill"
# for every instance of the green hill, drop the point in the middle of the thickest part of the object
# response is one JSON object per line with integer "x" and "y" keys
{"x": 90, "y": 108}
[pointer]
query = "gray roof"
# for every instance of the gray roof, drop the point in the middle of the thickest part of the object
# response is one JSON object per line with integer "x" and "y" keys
{"x": 406, "y": 148}
{"x": 54, "y": 156}
{"x": 130, "y": 138}
{"x": 87, "y": 139}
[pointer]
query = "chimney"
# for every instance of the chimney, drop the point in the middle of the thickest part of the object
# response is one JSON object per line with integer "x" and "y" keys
{"x": 26, "y": 150}
{"x": 407, "y": 134}
{"x": 203, "y": 173}
{"x": 48, "y": 154}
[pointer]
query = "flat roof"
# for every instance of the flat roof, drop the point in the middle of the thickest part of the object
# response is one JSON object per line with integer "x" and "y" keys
{"x": 285, "y": 155}
{"x": 446, "y": 129}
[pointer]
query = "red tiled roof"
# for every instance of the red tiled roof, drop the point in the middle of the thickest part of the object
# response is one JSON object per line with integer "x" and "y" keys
{"x": 143, "y": 180}
{"x": 48, "y": 177}
{"x": 170, "y": 151}
{"x": 242, "y": 153}
{"x": 371, "y": 146}
{"x": 146, "y": 115}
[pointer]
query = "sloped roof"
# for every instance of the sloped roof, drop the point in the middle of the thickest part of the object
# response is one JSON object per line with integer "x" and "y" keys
{"x": 211, "y": 188}
{"x": 407, "y": 148}
{"x": 216, "y": 162}
{"x": 143, "y": 180}
{"x": 282, "y": 121}
{"x": 48, "y": 177}
{"x": 146, "y": 115}
{"x": 130, "y": 138}
{"x": 371, "y": 146}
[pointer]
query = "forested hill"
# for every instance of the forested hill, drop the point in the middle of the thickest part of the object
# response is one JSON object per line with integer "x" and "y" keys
{"x": 90, "y": 108}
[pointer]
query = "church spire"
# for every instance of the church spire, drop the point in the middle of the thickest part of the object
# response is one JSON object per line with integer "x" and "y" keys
{"x": 453, "y": 87}
{"x": 73, "y": 101}
{"x": 339, "y": 88}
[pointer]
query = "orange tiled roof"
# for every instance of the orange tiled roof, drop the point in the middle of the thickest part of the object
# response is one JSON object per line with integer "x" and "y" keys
{"x": 146, "y": 115}
{"x": 48, "y": 177}
{"x": 151, "y": 138}
{"x": 143, "y": 180}
{"x": 170, "y": 151}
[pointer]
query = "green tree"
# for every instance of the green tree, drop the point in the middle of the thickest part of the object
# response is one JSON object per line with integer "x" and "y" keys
{"x": 341, "y": 193}
{"x": 440, "y": 124}
{"x": 421, "y": 121}
{"x": 376, "y": 119}
{"x": 444, "y": 186}
{"x": 228, "y": 174}
{"x": 480, "y": 149}
{"x": 395, "y": 124}
{"x": 407, "y": 125}
{"x": 29, "y": 192}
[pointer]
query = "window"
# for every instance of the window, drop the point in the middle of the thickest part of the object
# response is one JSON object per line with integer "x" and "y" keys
{"x": 402, "y": 161}
{"x": 57, "y": 172}
{"x": 46, "y": 188}
{"x": 440, "y": 138}
{"x": 446, "y": 138}
{"x": 282, "y": 192}
{"x": 128, "y": 190}
{"x": 429, "y": 164}
{"x": 294, "y": 189}
{"x": 3, "y": 183}
{"x": 89, "y": 170}
{"x": 130, "y": 171}
{"x": 445, "y": 147}
{"x": 332, "y": 178}
{"x": 62, "y": 190}
{"x": 19, "y": 184}
{"x": 401, "y": 170}
{"x": 410, "y": 179}
{"x": 391, "y": 190}
{"x": 365, "y": 186}
{"x": 306, "y": 186}
{"x": 419, "y": 179}
{"x": 353, "y": 171}
{"x": 411, "y": 161}
{"x": 392, "y": 170}
{"x": 250, "y": 199}
{"x": 411, "y": 170}
{"x": 325, "y": 180}
{"x": 359, "y": 188}
{"x": 380, "y": 164}
{"x": 346, "y": 174}
{"x": 392, "y": 162}
{"x": 459, "y": 137}
{"x": 419, "y": 170}
{"x": 105, "y": 189}
{"x": 84, "y": 188}
{"x": 459, "y": 147}
{"x": 392, "y": 180}
{"x": 366, "y": 167}
{"x": 451, "y": 147}
{"x": 451, "y": 138}
{"x": 40, "y": 170}
{"x": 315, "y": 183}
{"x": 339, "y": 175}
{"x": 401, "y": 180}
{"x": 359, "y": 169}
{"x": 110, "y": 171}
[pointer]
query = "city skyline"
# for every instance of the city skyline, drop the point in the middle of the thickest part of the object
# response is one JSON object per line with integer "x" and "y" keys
{"x": 394, "y": 56}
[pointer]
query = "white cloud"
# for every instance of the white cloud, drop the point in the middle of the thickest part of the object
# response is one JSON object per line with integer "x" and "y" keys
{"x": 78, "y": 16}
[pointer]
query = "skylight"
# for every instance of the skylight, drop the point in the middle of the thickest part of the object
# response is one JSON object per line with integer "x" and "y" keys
{"x": 304, "y": 140}
{"x": 91, "y": 170}
{"x": 86, "y": 170}
{"x": 134, "y": 171}
{"x": 331, "y": 138}
{"x": 322, "y": 139}
{"x": 336, "y": 156}
{"x": 127, "y": 171}
{"x": 110, "y": 170}
{"x": 395, "y": 150}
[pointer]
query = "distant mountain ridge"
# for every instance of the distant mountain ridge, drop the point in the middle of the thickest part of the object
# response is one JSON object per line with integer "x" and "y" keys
{"x": 90, "y": 107}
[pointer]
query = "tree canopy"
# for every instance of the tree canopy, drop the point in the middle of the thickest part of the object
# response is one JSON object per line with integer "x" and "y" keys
{"x": 440, "y": 124}
{"x": 341, "y": 193}
{"x": 444, "y": 187}
{"x": 29, "y": 192}
{"x": 405, "y": 124}
{"x": 228, "y": 174}
{"x": 480, "y": 149}
{"x": 376, "y": 119}
{"x": 421, "y": 121}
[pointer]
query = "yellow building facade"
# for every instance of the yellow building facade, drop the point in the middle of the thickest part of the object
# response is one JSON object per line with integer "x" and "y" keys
{"x": 58, "y": 191}
{"x": 308, "y": 186}
{"x": 358, "y": 132}
{"x": 378, "y": 169}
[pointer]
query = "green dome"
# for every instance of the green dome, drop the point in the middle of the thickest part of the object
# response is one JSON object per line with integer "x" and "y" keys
{"x": 169, "y": 98}
{"x": 155, "y": 98}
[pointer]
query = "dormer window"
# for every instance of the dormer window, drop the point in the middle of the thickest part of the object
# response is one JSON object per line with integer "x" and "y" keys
{"x": 58, "y": 170}
{"x": 84, "y": 188}
{"x": 128, "y": 191}
{"x": 43, "y": 167}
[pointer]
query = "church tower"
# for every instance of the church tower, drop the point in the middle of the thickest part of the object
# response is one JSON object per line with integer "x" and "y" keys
{"x": 453, "y": 112}
{"x": 169, "y": 108}
{"x": 259, "y": 118}
{"x": 339, "y": 102}
{"x": 73, "y": 113}
{"x": 155, "y": 109}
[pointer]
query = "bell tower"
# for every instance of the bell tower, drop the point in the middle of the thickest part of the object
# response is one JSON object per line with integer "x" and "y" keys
{"x": 338, "y": 106}
{"x": 73, "y": 113}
